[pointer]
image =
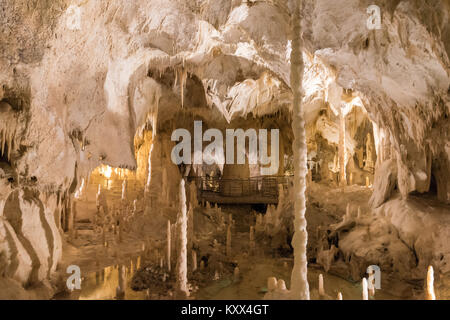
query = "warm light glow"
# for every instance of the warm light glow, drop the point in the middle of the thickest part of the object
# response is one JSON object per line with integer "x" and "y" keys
{"x": 106, "y": 171}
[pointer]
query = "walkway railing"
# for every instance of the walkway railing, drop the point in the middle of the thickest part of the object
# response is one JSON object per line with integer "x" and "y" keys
{"x": 264, "y": 188}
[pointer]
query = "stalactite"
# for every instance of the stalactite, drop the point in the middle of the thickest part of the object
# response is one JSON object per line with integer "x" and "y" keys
{"x": 183, "y": 77}
{"x": 430, "y": 295}
{"x": 182, "y": 290}
{"x": 299, "y": 281}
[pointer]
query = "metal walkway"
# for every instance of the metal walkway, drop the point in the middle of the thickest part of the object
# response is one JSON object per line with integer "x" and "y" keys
{"x": 255, "y": 190}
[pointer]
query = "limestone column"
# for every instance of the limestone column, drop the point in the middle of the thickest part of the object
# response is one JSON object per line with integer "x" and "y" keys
{"x": 181, "y": 268}
{"x": 341, "y": 147}
{"x": 299, "y": 280}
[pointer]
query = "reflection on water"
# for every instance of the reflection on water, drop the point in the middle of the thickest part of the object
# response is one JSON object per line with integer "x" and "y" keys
{"x": 251, "y": 286}
{"x": 103, "y": 285}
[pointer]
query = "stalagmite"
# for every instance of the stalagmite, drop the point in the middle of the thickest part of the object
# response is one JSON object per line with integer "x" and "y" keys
{"x": 99, "y": 191}
{"x": 299, "y": 280}
{"x": 124, "y": 190}
{"x": 341, "y": 147}
{"x": 194, "y": 260}
{"x": 104, "y": 235}
{"x": 252, "y": 240}
{"x": 182, "y": 290}
{"x": 430, "y": 295}
{"x": 190, "y": 229}
{"x": 236, "y": 274}
{"x": 193, "y": 195}
{"x": 321, "y": 288}
{"x": 164, "y": 188}
{"x": 71, "y": 218}
{"x": 138, "y": 262}
{"x": 169, "y": 240}
{"x": 228, "y": 249}
{"x": 339, "y": 296}
{"x": 281, "y": 285}
{"x": 134, "y": 206}
{"x": 365, "y": 290}
{"x": 120, "y": 228}
{"x": 272, "y": 284}
{"x": 120, "y": 292}
{"x": 149, "y": 177}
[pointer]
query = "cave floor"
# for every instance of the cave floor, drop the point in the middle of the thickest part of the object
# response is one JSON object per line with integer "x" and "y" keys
{"x": 100, "y": 265}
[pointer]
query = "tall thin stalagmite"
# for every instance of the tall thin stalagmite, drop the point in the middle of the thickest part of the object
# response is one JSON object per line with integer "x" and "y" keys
{"x": 430, "y": 295}
{"x": 299, "y": 281}
{"x": 365, "y": 289}
{"x": 169, "y": 240}
{"x": 341, "y": 148}
{"x": 321, "y": 287}
{"x": 182, "y": 290}
{"x": 228, "y": 248}
{"x": 190, "y": 230}
{"x": 149, "y": 176}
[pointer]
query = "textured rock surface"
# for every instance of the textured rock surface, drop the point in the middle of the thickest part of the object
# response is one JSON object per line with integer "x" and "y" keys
{"x": 384, "y": 184}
